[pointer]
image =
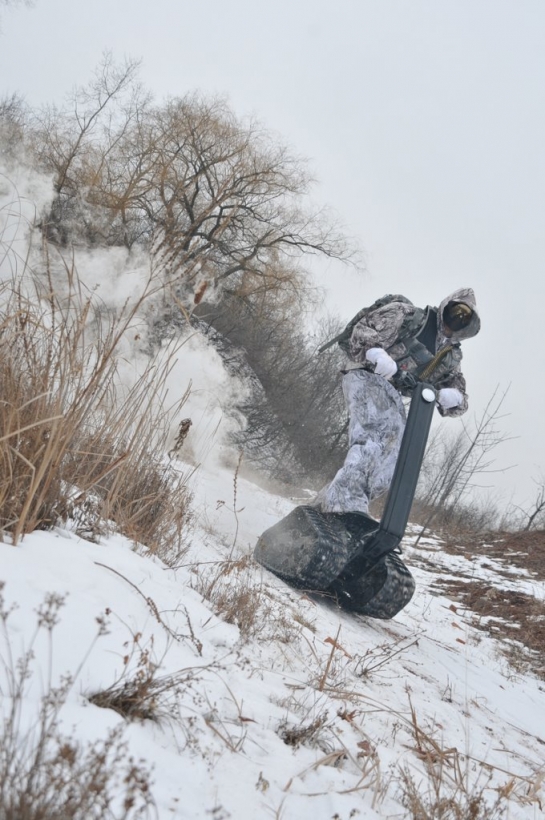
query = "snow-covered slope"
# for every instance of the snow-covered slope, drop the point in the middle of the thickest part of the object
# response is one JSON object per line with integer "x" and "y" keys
{"x": 268, "y": 703}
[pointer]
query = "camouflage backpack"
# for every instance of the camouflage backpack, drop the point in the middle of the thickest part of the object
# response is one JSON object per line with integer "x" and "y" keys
{"x": 343, "y": 339}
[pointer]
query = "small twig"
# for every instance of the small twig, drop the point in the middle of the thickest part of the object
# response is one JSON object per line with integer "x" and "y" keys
{"x": 329, "y": 662}
{"x": 235, "y": 511}
{"x": 386, "y": 658}
{"x": 219, "y": 734}
{"x": 150, "y": 602}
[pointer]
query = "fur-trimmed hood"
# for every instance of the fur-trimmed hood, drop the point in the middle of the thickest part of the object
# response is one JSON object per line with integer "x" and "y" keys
{"x": 467, "y": 296}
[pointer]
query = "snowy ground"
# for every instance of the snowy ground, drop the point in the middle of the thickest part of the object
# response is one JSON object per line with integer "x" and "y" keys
{"x": 299, "y": 711}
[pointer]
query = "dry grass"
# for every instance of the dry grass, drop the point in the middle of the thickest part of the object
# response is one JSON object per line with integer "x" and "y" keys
{"x": 437, "y": 800}
{"x": 50, "y": 777}
{"x": 238, "y": 596}
{"x": 516, "y": 618}
{"x": 525, "y": 550}
{"x": 72, "y": 443}
{"x": 141, "y": 693}
{"x": 455, "y": 786}
{"x": 45, "y": 775}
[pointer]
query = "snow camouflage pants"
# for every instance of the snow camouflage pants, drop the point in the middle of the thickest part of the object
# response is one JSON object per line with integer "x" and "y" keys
{"x": 377, "y": 421}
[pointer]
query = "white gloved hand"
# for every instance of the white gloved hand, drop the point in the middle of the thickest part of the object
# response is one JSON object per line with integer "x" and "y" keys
{"x": 449, "y": 397}
{"x": 384, "y": 364}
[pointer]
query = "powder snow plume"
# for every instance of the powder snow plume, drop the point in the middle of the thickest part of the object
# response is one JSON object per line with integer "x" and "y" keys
{"x": 116, "y": 278}
{"x": 24, "y": 195}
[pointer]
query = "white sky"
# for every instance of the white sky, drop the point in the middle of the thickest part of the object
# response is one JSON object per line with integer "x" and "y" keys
{"x": 424, "y": 121}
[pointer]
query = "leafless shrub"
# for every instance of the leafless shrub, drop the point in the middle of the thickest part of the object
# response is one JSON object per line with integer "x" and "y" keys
{"x": 310, "y": 734}
{"x": 531, "y": 516}
{"x": 140, "y": 692}
{"x": 477, "y": 515}
{"x": 452, "y": 467}
{"x": 239, "y": 597}
{"x": 54, "y": 777}
{"x": 45, "y": 775}
{"x": 48, "y": 777}
{"x": 191, "y": 637}
{"x": 296, "y": 424}
{"x": 321, "y": 733}
{"x": 458, "y": 787}
{"x": 238, "y": 604}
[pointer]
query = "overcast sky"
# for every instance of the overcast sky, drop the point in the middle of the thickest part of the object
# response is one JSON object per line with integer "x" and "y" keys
{"x": 424, "y": 121}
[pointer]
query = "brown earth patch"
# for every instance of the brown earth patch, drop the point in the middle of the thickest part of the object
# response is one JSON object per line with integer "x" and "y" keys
{"x": 525, "y": 550}
{"x": 508, "y": 615}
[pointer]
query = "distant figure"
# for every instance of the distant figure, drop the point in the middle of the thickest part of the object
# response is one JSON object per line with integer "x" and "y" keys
{"x": 392, "y": 345}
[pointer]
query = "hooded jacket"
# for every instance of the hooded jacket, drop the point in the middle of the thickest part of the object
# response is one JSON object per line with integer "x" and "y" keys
{"x": 398, "y": 324}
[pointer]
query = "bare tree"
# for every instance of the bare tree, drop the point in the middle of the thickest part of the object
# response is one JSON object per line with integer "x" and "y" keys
{"x": 454, "y": 464}
{"x": 230, "y": 198}
{"x": 296, "y": 420}
{"x": 533, "y": 514}
{"x": 76, "y": 143}
{"x": 217, "y": 199}
{"x": 13, "y": 118}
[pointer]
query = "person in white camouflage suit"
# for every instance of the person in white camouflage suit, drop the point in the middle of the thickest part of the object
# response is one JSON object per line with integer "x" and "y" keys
{"x": 391, "y": 346}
